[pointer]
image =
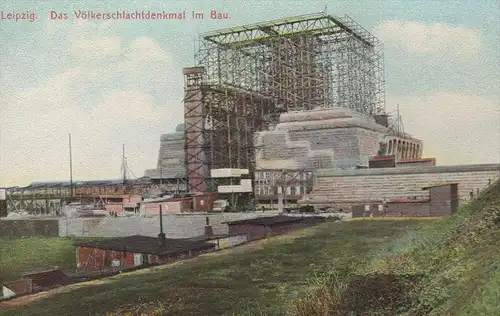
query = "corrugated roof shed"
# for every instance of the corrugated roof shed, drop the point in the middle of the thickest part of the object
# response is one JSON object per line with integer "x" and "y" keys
{"x": 146, "y": 245}
{"x": 48, "y": 278}
{"x": 19, "y": 287}
{"x": 275, "y": 220}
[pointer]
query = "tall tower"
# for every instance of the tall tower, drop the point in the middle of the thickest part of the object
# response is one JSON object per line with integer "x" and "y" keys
{"x": 194, "y": 118}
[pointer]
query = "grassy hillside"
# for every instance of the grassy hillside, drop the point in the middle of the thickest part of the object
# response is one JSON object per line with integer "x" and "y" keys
{"x": 446, "y": 267}
{"x": 441, "y": 267}
{"x": 260, "y": 278}
{"x": 19, "y": 255}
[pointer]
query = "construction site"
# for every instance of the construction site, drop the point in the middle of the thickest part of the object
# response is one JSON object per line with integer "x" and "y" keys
{"x": 277, "y": 115}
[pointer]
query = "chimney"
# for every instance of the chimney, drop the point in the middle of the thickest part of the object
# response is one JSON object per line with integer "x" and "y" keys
{"x": 161, "y": 235}
{"x": 208, "y": 228}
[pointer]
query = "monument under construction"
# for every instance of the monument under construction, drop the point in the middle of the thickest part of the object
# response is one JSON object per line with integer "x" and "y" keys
{"x": 290, "y": 111}
{"x": 294, "y": 94}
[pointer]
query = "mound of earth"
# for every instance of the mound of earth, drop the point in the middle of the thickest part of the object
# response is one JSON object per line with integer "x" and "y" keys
{"x": 377, "y": 294}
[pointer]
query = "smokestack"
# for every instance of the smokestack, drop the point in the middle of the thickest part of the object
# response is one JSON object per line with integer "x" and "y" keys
{"x": 161, "y": 235}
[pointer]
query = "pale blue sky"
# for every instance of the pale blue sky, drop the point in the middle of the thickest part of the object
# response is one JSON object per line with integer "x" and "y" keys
{"x": 116, "y": 82}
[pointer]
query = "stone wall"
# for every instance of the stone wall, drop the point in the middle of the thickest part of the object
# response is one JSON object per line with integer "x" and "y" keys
{"x": 174, "y": 226}
{"x": 368, "y": 145}
{"x": 324, "y": 138}
{"x": 343, "y": 144}
{"x": 418, "y": 208}
{"x": 231, "y": 241}
{"x": 279, "y": 151}
{"x": 393, "y": 209}
{"x": 334, "y": 187}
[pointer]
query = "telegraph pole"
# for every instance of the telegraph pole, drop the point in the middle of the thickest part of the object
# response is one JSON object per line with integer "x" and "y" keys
{"x": 124, "y": 166}
{"x": 70, "y": 167}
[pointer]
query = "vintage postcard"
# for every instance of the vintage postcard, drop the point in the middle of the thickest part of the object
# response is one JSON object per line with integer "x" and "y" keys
{"x": 295, "y": 158}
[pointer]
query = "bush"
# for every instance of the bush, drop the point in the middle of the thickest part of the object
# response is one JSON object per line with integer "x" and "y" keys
{"x": 323, "y": 300}
{"x": 333, "y": 218}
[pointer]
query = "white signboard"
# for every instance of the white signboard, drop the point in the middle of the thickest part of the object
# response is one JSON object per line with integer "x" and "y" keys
{"x": 137, "y": 259}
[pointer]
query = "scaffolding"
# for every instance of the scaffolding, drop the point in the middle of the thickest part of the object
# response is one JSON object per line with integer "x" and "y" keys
{"x": 50, "y": 197}
{"x": 246, "y": 76}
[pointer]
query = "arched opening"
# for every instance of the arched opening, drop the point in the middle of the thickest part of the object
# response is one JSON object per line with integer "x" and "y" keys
{"x": 399, "y": 149}
{"x": 389, "y": 152}
{"x": 405, "y": 149}
{"x": 418, "y": 151}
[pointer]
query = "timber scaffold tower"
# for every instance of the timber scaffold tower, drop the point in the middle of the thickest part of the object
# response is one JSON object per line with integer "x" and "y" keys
{"x": 246, "y": 76}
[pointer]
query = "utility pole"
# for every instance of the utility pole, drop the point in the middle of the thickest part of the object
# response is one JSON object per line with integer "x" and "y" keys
{"x": 124, "y": 166}
{"x": 70, "y": 167}
{"x": 399, "y": 122}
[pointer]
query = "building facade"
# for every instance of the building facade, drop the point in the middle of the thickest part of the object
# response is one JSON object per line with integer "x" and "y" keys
{"x": 295, "y": 185}
{"x": 128, "y": 252}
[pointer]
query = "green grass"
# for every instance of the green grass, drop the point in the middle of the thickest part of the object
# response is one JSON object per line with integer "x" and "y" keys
{"x": 20, "y": 255}
{"x": 314, "y": 272}
{"x": 254, "y": 279}
{"x": 486, "y": 300}
{"x": 457, "y": 257}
